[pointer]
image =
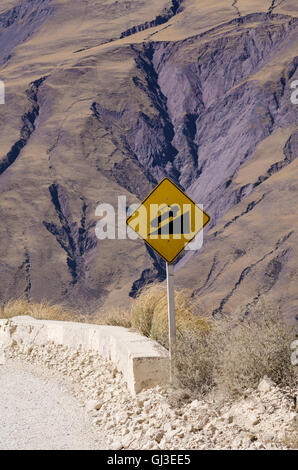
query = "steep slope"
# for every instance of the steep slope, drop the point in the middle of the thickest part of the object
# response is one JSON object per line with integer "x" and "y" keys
{"x": 106, "y": 98}
{"x": 252, "y": 249}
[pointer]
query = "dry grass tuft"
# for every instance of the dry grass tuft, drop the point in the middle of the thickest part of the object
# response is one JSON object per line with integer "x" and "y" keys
{"x": 115, "y": 317}
{"x": 40, "y": 311}
{"x": 149, "y": 314}
{"x": 144, "y": 307}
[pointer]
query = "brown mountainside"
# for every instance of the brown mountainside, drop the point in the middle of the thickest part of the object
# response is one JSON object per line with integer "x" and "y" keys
{"x": 104, "y": 98}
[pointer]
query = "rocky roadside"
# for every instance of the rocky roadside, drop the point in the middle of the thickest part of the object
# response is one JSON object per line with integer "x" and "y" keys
{"x": 163, "y": 418}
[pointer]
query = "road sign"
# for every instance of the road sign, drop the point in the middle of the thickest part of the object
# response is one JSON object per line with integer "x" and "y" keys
{"x": 168, "y": 220}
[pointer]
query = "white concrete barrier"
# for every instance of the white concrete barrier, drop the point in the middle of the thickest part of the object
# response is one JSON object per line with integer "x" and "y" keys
{"x": 143, "y": 362}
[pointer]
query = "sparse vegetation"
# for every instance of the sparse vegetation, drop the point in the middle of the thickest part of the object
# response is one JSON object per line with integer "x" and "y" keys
{"x": 40, "y": 311}
{"x": 231, "y": 353}
{"x": 115, "y": 317}
{"x": 237, "y": 352}
{"x": 149, "y": 314}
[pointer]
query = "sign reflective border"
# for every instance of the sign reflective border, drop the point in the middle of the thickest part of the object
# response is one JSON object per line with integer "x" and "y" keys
{"x": 167, "y": 220}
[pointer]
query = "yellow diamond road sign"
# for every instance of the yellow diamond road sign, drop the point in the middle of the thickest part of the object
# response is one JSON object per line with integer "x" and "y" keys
{"x": 168, "y": 220}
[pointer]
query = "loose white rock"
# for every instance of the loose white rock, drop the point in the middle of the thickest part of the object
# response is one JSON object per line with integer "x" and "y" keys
{"x": 265, "y": 385}
{"x": 92, "y": 405}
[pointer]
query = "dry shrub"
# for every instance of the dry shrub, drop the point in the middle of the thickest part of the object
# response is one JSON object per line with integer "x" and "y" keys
{"x": 195, "y": 359}
{"x": 252, "y": 346}
{"x": 149, "y": 314}
{"x": 40, "y": 311}
{"x": 237, "y": 352}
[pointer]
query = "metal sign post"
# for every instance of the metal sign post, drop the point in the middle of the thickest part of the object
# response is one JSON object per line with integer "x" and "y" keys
{"x": 171, "y": 316}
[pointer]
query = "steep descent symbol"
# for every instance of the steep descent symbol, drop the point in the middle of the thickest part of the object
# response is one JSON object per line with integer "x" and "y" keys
{"x": 178, "y": 225}
{"x": 168, "y": 220}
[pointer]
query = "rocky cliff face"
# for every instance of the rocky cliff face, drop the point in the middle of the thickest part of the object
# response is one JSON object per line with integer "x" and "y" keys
{"x": 106, "y": 98}
{"x": 19, "y": 22}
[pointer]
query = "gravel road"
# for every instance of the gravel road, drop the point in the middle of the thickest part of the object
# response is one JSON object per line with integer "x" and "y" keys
{"x": 38, "y": 412}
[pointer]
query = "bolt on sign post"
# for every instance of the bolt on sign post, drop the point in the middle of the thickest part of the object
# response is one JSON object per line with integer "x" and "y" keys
{"x": 168, "y": 220}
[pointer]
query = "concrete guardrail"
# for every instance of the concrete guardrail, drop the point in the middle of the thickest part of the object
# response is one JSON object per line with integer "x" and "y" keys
{"x": 143, "y": 362}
